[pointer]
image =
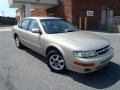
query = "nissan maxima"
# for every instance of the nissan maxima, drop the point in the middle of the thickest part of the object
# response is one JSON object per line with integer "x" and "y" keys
{"x": 64, "y": 46}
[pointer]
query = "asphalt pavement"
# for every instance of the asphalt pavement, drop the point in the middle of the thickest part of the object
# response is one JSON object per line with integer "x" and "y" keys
{"x": 23, "y": 69}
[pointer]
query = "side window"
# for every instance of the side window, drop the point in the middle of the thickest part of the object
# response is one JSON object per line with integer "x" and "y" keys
{"x": 24, "y": 24}
{"x": 33, "y": 25}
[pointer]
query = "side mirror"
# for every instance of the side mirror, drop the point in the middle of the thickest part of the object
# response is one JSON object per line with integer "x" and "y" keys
{"x": 35, "y": 30}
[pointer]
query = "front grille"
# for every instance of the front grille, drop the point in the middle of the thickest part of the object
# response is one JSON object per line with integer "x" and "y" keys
{"x": 102, "y": 50}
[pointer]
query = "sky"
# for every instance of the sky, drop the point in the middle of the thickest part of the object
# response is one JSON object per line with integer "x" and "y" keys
{"x": 4, "y": 7}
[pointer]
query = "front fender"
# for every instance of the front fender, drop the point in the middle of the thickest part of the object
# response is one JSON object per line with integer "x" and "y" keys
{"x": 56, "y": 46}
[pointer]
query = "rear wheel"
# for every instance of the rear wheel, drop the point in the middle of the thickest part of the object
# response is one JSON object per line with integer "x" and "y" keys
{"x": 56, "y": 61}
{"x": 17, "y": 42}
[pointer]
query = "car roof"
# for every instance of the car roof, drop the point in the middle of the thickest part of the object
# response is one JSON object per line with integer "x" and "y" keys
{"x": 42, "y": 18}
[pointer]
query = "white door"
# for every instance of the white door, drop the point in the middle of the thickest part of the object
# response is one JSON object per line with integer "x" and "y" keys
{"x": 106, "y": 17}
{"x": 110, "y": 17}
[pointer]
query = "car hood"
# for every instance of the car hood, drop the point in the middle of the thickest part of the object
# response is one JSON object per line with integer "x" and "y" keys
{"x": 80, "y": 40}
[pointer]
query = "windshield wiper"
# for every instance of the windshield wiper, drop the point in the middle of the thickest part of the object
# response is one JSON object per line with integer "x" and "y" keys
{"x": 71, "y": 31}
{"x": 56, "y": 32}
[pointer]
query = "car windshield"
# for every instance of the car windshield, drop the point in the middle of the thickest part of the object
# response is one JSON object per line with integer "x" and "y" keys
{"x": 52, "y": 26}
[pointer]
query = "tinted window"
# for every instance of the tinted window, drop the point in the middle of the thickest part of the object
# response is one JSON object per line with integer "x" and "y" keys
{"x": 24, "y": 24}
{"x": 52, "y": 26}
{"x": 33, "y": 25}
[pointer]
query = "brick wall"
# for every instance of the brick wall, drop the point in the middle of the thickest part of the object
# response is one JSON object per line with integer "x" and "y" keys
{"x": 63, "y": 10}
{"x": 72, "y": 10}
{"x": 116, "y": 8}
{"x": 39, "y": 12}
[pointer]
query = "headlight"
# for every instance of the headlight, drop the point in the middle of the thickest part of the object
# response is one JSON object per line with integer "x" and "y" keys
{"x": 84, "y": 54}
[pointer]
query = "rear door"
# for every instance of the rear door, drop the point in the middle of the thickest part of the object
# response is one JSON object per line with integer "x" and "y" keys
{"x": 27, "y": 37}
{"x": 22, "y": 30}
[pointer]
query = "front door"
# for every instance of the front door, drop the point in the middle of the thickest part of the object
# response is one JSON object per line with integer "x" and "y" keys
{"x": 34, "y": 39}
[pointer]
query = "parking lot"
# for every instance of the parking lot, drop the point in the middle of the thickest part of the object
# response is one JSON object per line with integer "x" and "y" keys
{"x": 26, "y": 70}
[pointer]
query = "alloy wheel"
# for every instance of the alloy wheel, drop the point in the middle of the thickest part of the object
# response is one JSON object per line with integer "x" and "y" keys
{"x": 57, "y": 62}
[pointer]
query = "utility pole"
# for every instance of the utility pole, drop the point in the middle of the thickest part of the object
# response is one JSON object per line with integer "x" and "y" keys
{"x": 3, "y": 13}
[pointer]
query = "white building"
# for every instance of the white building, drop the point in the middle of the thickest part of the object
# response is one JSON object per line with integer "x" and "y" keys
{"x": 25, "y": 6}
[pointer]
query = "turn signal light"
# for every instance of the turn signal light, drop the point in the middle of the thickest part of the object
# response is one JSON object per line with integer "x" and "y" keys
{"x": 83, "y": 64}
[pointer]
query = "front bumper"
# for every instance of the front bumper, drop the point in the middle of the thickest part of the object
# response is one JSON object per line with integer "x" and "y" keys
{"x": 99, "y": 62}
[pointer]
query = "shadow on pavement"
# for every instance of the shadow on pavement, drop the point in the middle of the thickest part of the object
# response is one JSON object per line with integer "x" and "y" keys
{"x": 101, "y": 79}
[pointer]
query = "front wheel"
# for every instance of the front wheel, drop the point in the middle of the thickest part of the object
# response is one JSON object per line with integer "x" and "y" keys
{"x": 56, "y": 61}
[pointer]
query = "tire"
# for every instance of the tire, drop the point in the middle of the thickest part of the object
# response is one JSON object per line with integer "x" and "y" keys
{"x": 18, "y": 43}
{"x": 56, "y": 61}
